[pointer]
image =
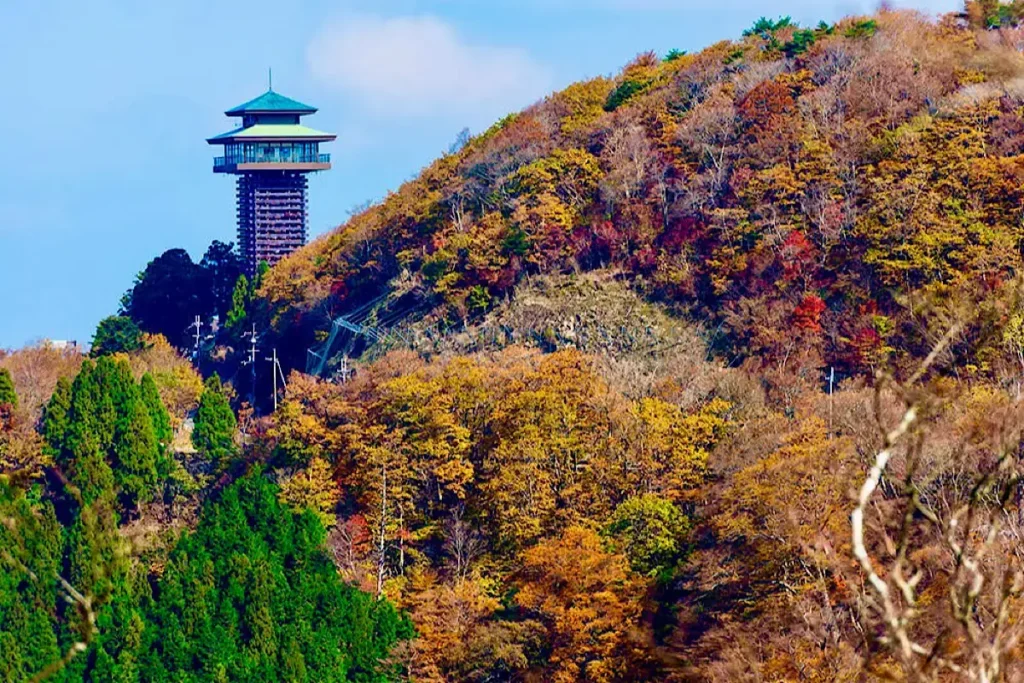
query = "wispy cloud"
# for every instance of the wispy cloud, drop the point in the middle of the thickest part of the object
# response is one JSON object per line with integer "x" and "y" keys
{"x": 421, "y": 65}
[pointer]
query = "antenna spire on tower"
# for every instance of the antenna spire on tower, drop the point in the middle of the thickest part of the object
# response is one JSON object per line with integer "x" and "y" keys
{"x": 270, "y": 78}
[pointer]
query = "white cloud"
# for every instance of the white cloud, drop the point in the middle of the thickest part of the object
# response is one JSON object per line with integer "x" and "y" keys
{"x": 421, "y": 65}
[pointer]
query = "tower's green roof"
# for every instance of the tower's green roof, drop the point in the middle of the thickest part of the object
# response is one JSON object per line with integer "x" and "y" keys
{"x": 271, "y": 101}
{"x": 270, "y": 131}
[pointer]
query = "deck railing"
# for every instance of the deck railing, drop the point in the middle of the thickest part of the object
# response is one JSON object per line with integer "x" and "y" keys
{"x": 283, "y": 158}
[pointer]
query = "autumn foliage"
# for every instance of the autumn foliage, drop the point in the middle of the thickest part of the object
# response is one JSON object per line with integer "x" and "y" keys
{"x": 793, "y": 179}
{"x": 643, "y": 348}
{"x": 453, "y": 473}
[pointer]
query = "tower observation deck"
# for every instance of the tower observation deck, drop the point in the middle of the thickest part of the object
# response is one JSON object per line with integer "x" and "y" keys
{"x": 271, "y": 153}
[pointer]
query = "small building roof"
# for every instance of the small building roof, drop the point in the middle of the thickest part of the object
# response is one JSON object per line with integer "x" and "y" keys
{"x": 269, "y": 131}
{"x": 271, "y": 102}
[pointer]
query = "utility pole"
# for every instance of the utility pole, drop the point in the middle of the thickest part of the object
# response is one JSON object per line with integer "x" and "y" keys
{"x": 383, "y": 527}
{"x": 831, "y": 383}
{"x": 273, "y": 371}
{"x": 198, "y": 325}
{"x": 253, "y": 340}
{"x": 276, "y": 370}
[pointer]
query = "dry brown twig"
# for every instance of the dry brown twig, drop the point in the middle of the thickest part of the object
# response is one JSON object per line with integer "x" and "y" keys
{"x": 979, "y": 637}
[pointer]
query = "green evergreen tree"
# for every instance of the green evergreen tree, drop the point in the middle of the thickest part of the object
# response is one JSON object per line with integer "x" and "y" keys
{"x": 12, "y": 664}
{"x": 90, "y": 416}
{"x": 157, "y": 412}
{"x": 258, "y": 619}
{"x": 115, "y": 378}
{"x": 240, "y": 298}
{"x": 261, "y": 271}
{"x": 213, "y": 383}
{"x": 55, "y": 416}
{"x": 8, "y": 396}
{"x": 293, "y": 664}
{"x": 215, "y": 425}
{"x": 116, "y": 334}
{"x": 162, "y": 430}
{"x": 89, "y": 472}
{"x": 133, "y": 451}
{"x": 105, "y": 437}
{"x": 135, "y": 455}
{"x": 96, "y": 553}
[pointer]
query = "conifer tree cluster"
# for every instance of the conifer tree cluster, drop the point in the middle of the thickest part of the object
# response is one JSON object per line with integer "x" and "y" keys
{"x": 250, "y": 594}
{"x": 109, "y": 433}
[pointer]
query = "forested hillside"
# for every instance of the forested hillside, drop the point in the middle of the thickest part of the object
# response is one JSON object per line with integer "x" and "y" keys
{"x": 709, "y": 371}
{"x": 805, "y": 192}
{"x": 103, "y": 580}
{"x": 835, "y": 211}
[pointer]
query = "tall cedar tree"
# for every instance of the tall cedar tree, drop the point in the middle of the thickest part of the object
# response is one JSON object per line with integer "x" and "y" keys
{"x": 135, "y": 453}
{"x": 103, "y": 433}
{"x": 240, "y": 298}
{"x": 215, "y": 425}
{"x": 88, "y": 434}
{"x": 157, "y": 413}
{"x": 55, "y": 416}
{"x": 32, "y": 543}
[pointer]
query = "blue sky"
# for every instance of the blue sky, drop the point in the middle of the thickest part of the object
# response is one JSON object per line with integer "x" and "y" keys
{"x": 106, "y": 105}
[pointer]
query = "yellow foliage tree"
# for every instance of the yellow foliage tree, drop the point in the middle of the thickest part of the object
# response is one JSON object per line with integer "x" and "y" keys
{"x": 791, "y": 508}
{"x": 590, "y": 603}
{"x": 671, "y": 448}
{"x": 314, "y": 488}
{"x": 431, "y": 439}
{"x": 22, "y": 456}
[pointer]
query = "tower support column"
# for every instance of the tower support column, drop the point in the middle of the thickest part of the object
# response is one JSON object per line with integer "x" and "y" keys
{"x": 271, "y": 216}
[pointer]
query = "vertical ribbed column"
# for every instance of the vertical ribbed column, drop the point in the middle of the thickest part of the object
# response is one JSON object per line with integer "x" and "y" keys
{"x": 271, "y": 216}
{"x": 246, "y": 223}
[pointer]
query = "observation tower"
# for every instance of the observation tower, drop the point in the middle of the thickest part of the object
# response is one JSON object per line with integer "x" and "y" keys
{"x": 271, "y": 152}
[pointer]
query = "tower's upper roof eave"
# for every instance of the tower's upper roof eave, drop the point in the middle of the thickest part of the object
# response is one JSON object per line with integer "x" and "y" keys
{"x": 271, "y": 102}
{"x": 271, "y": 131}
